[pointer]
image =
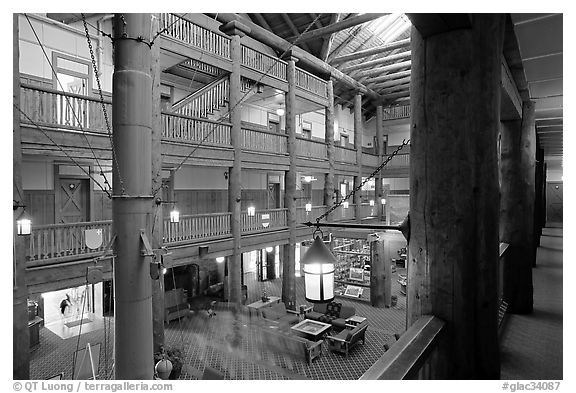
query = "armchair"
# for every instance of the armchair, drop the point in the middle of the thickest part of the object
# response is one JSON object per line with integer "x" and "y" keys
{"x": 347, "y": 338}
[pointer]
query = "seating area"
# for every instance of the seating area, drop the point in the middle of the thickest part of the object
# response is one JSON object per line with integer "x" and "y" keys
{"x": 175, "y": 305}
{"x": 292, "y": 344}
{"x": 278, "y": 313}
{"x": 333, "y": 312}
{"x": 347, "y": 339}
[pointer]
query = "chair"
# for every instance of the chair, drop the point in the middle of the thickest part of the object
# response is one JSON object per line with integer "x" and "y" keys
{"x": 347, "y": 339}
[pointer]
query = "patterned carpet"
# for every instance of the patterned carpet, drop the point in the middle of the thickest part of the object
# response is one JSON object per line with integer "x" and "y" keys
{"x": 231, "y": 345}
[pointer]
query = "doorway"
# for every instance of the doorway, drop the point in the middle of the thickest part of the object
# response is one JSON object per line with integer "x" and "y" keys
{"x": 73, "y": 205}
{"x": 554, "y": 202}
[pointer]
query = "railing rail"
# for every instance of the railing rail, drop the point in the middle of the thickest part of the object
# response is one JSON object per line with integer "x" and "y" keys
{"x": 196, "y": 227}
{"x": 62, "y": 240}
{"x": 310, "y": 148}
{"x": 410, "y": 356}
{"x": 205, "y": 101}
{"x": 263, "y": 220}
{"x": 311, "y": 83}
{"x": 399, "y": 161}
{"x": 344, "y": 154}
{"x": 182, "y": 29}
{"x": 396, "y": 112}
{"x": 370, "y": 160}
{"x": 193, "y": 130}
{"x": 264, "y": 141}
{"x": 503, "y": 260}
{"x": 49, "y": 107}
{"x": 263, "y": 63}
{"x": 303, "y": 216}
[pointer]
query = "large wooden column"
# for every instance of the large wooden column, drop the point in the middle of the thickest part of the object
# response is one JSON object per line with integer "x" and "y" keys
{"x": 358, "y": 146}
{"x": 329, "y": 140}
{"x": 517, "y": 208}
{"x": 539, "y": 190}
{"x": 20, "y": 336}
{"x": 235, "y": 30}
{"x": 453, "y": 248}
{"x": 380, "y": 152}
{"x": 131, "y": 200}
{"x": 380, "y": 272}
{"x": 289, "y": 260}
{"x": 157, "y": 217}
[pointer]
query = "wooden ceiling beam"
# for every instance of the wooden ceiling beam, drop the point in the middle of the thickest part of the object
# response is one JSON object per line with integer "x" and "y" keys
{"x": 387, "y": 77}
{"x": 388, "y": 68}
{"x": 391, "y": 83}
{"x": 327, "y": 42}
{"x": 295, "y": 31}
{"x": 344, "y": 43}
{"x": 333, "y": 28}
{"x": 372, "y": 51}
{"x": 382, "y": 60}
{"x": 379, "y": 78}
{"x": 402, "y": 87}
{"x": 262, "y": 22}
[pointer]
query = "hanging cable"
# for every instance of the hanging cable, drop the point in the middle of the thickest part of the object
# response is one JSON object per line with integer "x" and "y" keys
{"x": 81, "y": 322}
{"x": 67, "y": 100}
{"x": 228, "y": 114}
{"x": 107, "y": 121}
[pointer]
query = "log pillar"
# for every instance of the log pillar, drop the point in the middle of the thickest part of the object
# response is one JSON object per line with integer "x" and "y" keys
{"x": 380, "y": 272}
{"x": 289, "y": 260}
{"x": 358, "y": 146}
{"x": 539, "y": 190}
{"x": 235, "y": 30}
{"x": 517, "y": 208}
{"x": 454, "y": 197}
{"x": 380, "y": 151}
{"x": 20, "y": 335}
{"x": 329, "y": 199}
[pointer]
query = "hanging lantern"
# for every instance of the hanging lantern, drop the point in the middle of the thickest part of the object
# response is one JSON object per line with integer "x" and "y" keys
{"x": 269, "y": 249}
{"x": 345, "y": 204}
{"x": 308, "y": 207}
{"x": 23, "y": 224}
{"x": 383, "y": 201}
{"x": 251, "y": 211}
{"x": 371, "y": 202}
{"x": 174, "y": 216}
{"x": 219, "y": 259}
{"x": 318, "y": 264}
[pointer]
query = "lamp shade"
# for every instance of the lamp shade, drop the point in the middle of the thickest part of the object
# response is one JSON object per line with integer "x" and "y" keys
{"x": 23, "y": 226}
{"x": 174, "y": 216}
{"x": 345, "y": 204}
{"x": 371, "y": 202}
{"x": 318, "y": 264}
{"x": 308, "y": 207}
{"x": 251, "y": 211}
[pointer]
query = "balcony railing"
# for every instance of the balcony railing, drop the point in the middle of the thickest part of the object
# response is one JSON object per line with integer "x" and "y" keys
{"x": 194, "y": 35}
{"x": 66, "y": 240}
{"x": 53, "y": 108}
{"x": 344, "y": 154}
{"x": 197, "y": 227}
{"x": 311, "y": 83}
{"x": 263, "y": 220}
{"x": 370, "y": 160}
{"x": 411, "y": 356}
{"x": 368, "y": 211}
{"x": 261, "y": 62}
{"x": 303, "y": 216}
{"x": 310, "y": 148}
{"x": 399, "y": 161}
{"x": 182, "y": 128}
{"x": 264, "y": 141}
{"x": 396, "y": 112}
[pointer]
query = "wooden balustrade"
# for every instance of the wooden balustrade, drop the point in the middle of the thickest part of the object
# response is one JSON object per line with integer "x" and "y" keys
{"x": 345, "y": 214}
{"x": 192, "y": 130}
{"x": 370, "y": 160}
{"x": 399, "y": 161}
{"x": 53, "y": 108}
{"x": 264, "y": 141}
{"x": 263, "y": 220}
{"x": 344, "y": 154}
{"x": 396, "y": 112}
{"x": 411, "y": 357}
{"x": 367, "y": 211}
{"x": 62, "y": 240}
{"x": 302, "y": 216}
{"x": 310, "y": 148}
{"x": 205, "y": 101}
{"x": 197, "y": 227}
{"x": 263, "y": 63}
{"x": 182, "y": 29}
{"x": 311, "y": 83}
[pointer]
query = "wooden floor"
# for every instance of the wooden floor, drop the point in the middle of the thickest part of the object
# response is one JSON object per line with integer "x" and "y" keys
{"x": 532, "y": 345}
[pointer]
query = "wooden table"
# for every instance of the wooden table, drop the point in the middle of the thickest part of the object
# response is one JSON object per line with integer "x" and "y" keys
{"x": 260, "y": 304}
{"x": 311, "y": 329}
{"x": 354, "y": 321}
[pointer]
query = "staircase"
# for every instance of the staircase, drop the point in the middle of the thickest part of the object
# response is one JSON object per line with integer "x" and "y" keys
{"x": 206, "y": 101}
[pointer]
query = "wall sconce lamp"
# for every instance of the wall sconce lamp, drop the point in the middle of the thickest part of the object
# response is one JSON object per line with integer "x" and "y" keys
{"x": 23, "y": 222}
{"x": 251, "y": 211}
{"x": 318, "y": 264}
{"x": 383, "y": 201}
{"x": 371, "y": 202}
{"x": 345, "y": 204}
{"x": 269, "y": 249}
{"x": 280, "y": 112}
{"x": 174, "y": 213}
{"x": 219, "y": 259}
{"x": 308, "y": 207}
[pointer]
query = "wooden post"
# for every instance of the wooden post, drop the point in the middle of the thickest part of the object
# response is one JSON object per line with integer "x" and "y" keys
{"x": 517, "y": 208}
{"x": 454, "y": 196}
{"x": 235, "y": 31}
{"x": 358, "y": 146}
{"x": 289, "y": 260}
{"x": 380, "y": 272}
{"x": 157, "y": 226}
{"x": 329, "y": 140}
{"x": 131, "y": 200}
{"x": 20, "y": 335}
{"x": 539, "y": 186}
{"x": 380, "y": 152}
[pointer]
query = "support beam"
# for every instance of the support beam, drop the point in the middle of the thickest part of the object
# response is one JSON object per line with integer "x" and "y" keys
{"x": 262, "y": 21}
{"x": 454, "y": 194}
{"x": 20, "y": 335}
{"x": 358, "y": 132}
{"x": 432, "y": 24}
{"x": 388, "y": 77}
{"x": 373, "y": 51}
{"x": 399, "y": 88}
{"x": 392, "y": 83}
{"x": 131, "y": 200}
{"x": 388, "y": 68}
{"x": 327, "y": 42}
{"x": 295, "y": 31}
{"x": 383, "y": 60}
{"x": 333, "y": 28}
{"x": 330, "y": 149}
{"x": 380, "y": 272}
{"x": 380, "y": 151}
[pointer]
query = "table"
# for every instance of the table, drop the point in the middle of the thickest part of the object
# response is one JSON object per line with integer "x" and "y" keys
{"x": 354, "y": 321}
{"x": 260, "y": 304}
{"x": 304, "y": 309}
{"x": 311, "y": 329}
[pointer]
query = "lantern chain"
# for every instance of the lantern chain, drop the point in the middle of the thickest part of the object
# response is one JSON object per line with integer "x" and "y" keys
{"x": 357, "y": 188}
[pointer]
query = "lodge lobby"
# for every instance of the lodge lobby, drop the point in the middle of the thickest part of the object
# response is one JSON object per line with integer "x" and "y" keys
{"x": 287, "y": 196}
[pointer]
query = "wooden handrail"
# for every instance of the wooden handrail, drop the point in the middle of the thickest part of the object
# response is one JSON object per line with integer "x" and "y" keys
{"x": 407, "y": 355}
{"x": 63, "y": 93}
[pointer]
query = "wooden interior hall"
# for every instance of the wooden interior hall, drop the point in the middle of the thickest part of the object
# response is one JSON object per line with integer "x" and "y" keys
{"x": 169, "y": 170}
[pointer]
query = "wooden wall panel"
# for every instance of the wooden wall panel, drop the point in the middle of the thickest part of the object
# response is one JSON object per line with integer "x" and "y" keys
{"x": 40, "y": 206}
